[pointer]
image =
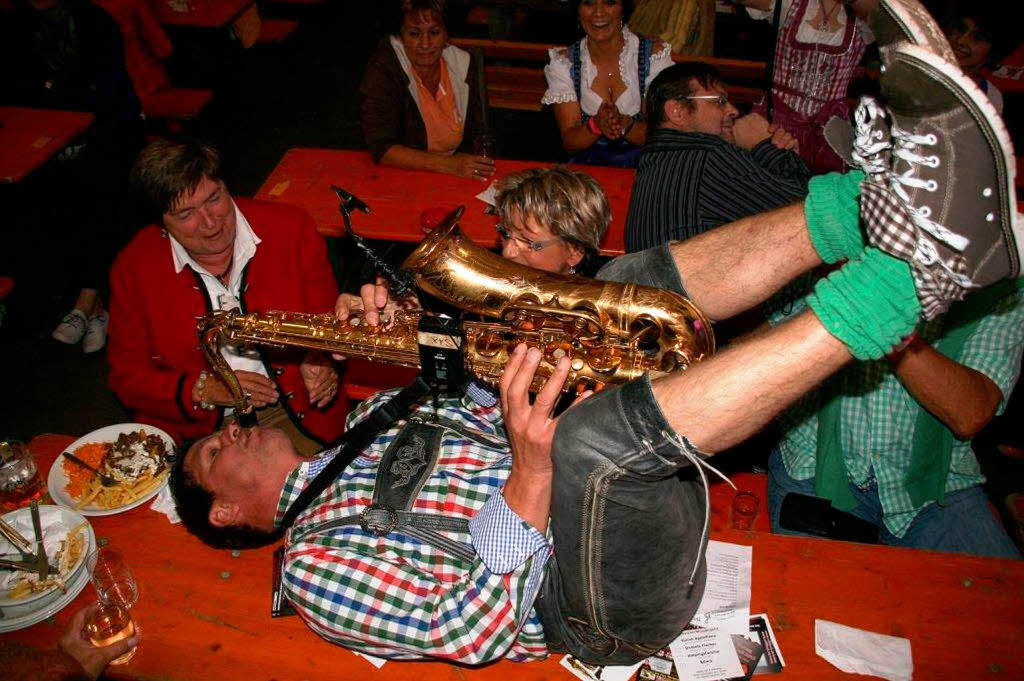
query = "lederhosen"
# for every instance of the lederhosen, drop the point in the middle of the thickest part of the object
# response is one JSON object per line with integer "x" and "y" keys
{"x": 620, "y": 153}
{"x": 404, "y": 468}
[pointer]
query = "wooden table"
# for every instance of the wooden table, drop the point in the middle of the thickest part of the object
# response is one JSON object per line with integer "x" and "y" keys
{"x": 29, "y": 137}
{"x": 205, "y": 613}
{"x": 199, "y": 13}
{"x": 398, "y": 196}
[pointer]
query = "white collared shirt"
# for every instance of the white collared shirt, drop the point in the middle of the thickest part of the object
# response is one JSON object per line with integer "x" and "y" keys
{"x": 227, "y": 297}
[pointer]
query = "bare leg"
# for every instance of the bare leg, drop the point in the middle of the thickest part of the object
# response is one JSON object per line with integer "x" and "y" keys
{"x": 721, "y": 402}
{"x": 731, "y": 268}
{"x": 88, "y": 302}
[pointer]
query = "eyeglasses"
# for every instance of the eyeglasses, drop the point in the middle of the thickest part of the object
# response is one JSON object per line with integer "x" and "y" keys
{"x": 521, "y": 242}
{"x": 720, "y": 100}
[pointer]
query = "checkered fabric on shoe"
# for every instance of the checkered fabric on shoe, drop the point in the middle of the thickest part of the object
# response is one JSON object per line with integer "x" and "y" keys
{"x": 896, "y": 21}
{"x": 948, "y": 206}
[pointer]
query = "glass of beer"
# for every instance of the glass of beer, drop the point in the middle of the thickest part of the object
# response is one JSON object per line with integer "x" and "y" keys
{"x": 20, "y": 483}
{"x": 107, "y": 623}
{"x": 110, "y": 576}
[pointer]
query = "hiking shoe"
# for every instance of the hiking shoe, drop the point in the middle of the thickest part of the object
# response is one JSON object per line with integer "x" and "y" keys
{"x": 71, "y": 328}
{"x": 948, "y": 206}
{"x": 96, "y": 332}
{"x": 896, "y": 21}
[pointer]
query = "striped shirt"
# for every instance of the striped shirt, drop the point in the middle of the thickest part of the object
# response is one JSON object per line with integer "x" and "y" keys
{"x": 878, "y": 414}
{"x": 398, "y": 597}
{"x": 687, "y": 183}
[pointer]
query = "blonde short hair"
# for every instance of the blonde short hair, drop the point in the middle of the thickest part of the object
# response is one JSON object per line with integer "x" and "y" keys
{"x": 569, "y": 203}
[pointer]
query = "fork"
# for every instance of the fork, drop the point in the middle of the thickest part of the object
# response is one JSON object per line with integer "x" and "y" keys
{"x": 105, "y": 480}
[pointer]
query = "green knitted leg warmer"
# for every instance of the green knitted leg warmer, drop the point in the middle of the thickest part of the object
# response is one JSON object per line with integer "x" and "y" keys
{"x": 869, "y": 304}
{"x": 833, "y": 215}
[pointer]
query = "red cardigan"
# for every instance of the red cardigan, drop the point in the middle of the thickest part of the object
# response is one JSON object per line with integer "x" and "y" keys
{"x": 153, "y": 348}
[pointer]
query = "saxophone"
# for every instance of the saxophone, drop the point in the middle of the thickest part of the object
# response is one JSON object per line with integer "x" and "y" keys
{"x": 611, "y": 332}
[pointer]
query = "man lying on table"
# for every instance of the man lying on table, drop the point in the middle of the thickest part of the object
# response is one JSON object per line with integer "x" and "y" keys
{"x": 598, "y": 486}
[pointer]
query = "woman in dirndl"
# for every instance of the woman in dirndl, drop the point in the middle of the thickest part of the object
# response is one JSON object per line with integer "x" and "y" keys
{"x": 819, "y": 45}
{"x": 596, "y": 86}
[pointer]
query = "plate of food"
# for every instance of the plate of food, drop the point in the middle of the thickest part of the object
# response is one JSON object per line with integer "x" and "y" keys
{"x": 25, "y": 598}
{"x": 135, "y": 455}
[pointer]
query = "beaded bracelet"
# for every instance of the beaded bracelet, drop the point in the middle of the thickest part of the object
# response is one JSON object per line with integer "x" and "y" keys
{"x": 201, "y": 388}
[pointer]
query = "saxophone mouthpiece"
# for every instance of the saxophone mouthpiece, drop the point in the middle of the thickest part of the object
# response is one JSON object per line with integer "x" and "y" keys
{"x": 349, "y": 201}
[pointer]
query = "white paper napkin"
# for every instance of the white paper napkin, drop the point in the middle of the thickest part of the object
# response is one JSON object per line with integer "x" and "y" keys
{"x": 864, "y": 652}
{"x": 164, "y": 503}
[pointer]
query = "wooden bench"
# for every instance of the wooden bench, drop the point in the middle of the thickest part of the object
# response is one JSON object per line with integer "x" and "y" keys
{"x": 518, "y": 81}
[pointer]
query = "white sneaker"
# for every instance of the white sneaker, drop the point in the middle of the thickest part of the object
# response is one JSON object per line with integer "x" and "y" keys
{"x": 96, "y": 332}
{"x": 71, "y": 328}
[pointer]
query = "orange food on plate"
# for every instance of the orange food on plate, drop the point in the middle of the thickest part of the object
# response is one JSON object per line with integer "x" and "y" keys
{"x": 78, "y": 477}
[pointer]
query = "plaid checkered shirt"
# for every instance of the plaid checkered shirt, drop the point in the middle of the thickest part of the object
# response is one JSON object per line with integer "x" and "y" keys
{"x": 399, "y": 597}
{"x": 878, "y": 414}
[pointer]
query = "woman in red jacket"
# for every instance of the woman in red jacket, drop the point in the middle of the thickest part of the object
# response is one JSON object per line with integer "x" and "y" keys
{"x": 213, "y": 252}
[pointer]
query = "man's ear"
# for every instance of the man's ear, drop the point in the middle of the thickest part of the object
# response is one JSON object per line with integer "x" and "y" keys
{"x": 224, "y": 513}
{"x": 677, "y": 115}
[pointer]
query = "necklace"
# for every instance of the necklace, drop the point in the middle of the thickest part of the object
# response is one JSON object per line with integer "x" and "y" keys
{"x": 828, "y": 15}
{"x": 227, "y": 270}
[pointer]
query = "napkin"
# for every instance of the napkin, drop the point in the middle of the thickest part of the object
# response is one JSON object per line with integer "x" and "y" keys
{"x": 55, "y": 531}
{"x": 863, "y": 652}
{"x": 489, "y": 195}
{"x": 164, "y": 503}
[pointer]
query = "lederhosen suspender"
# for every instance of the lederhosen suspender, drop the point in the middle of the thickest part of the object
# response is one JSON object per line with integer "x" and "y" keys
{"x": 643, "y": 68}
{"x": 404, "y": 469}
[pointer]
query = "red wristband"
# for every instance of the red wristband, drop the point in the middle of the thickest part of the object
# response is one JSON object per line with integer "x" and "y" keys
{"x": 592, "y": 126}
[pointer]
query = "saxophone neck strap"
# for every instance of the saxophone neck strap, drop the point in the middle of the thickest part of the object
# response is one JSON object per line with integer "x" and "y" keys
{"x": 354, "y": 441}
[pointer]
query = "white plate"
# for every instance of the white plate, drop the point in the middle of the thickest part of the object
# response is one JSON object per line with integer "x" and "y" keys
{"x": 57, "y": 480}
{"x": 48, "y": 608}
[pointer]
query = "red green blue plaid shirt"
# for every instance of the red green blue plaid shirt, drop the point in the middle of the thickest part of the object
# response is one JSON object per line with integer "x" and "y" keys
{"x": 400, "y": 598}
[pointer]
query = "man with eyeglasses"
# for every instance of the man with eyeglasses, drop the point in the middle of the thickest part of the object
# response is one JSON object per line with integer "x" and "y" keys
{"x": 703, "y": 164}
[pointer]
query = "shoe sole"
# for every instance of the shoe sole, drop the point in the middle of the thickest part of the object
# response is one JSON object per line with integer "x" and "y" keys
{"x": 915, "y": 25}
{"x": 977, "y": 103}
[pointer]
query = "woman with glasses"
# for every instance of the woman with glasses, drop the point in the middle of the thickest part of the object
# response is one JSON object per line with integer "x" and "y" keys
{"x": 596, "y": 85}
{"x": 552, "y": 219}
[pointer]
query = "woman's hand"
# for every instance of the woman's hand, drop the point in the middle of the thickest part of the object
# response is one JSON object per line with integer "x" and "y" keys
{"x": 468, "y": 165}
{"x": 320, "y": 378}
{"x": 610, "y": 121}
{"x": 260, "y": 390}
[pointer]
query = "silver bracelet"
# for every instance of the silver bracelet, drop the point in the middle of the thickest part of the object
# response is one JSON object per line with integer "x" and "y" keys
{"x": 201, "y": 389}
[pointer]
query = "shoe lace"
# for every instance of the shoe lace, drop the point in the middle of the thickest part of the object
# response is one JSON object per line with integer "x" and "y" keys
{"x": 700, "y": 464}
{"x": 870, "y": 142}
{"x": 908, "y": 147}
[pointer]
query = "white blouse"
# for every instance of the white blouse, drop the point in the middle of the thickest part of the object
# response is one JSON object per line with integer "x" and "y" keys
{"x": 559, "y": 76}
{"x": 807, "y": 33}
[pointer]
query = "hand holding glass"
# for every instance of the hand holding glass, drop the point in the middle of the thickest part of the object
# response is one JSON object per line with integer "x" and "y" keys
{"x": 109, "y": 621}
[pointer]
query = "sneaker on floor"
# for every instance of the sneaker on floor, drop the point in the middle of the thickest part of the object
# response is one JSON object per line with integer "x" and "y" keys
{"x": 96, "y": 332}
{"x": 948, "y": 207}
{"x": 71, "y": 328}
{"x": 896, "y": 21}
